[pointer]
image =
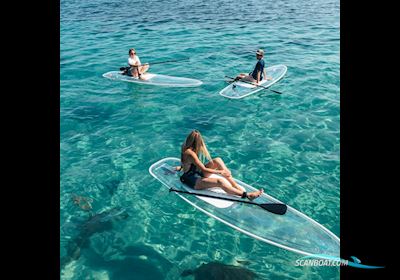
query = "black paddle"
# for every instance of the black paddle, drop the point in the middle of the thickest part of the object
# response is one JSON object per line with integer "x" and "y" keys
{"x": 276, "y": 208}
{"x": 246, "y": 82}
{"x": 161, "y": 62}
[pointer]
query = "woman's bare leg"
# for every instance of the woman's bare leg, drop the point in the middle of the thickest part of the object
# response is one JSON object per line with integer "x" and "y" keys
{"x": 249, "y": 78}
{"x": 240, "y": 76}
{"x": 142, "y": 72}
{"x": 143, "y": 69}
{"x": 218, "y": 163}
{"x": 206, "y": 183}
{"x": 134, "y": 71}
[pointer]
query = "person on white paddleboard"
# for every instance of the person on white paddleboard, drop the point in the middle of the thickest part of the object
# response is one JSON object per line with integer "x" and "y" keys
{"x": 258, "y": 73}
{"x": 196, "y": 174}
{"x": 136, "y": 69}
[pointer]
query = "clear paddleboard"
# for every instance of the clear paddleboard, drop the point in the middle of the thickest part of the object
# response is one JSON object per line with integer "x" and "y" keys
{"x": 239, "y": 89}
{"x": 292, "y": 231}
{"x": 154, "y": 79}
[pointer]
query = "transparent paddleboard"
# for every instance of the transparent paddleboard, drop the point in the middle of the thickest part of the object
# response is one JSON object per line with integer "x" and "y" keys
{"x": 154, "y": 79}
{"x": 239, "y": 89}
{"x": 292, "y": 231}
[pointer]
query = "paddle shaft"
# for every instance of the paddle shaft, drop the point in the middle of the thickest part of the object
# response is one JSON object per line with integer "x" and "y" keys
{"x": 246, "y": 82}
{"x": 217, "y": 197}
{"x": 161, "y": 62}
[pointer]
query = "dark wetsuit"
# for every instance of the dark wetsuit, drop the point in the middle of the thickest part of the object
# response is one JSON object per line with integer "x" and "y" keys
{"x": 259, "y": 67}
{"x": 190, "y": 177}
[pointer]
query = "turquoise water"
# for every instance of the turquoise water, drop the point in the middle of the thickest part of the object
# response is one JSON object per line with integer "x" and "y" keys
{"x": 111, "y": 132}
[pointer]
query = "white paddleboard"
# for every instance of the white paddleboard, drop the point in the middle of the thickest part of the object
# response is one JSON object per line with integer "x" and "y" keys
{"x": 239, "y": 89}
{"x": 154, "y": 79}
{"x": 293, "y": 231}
{"x": 212, "y": 191}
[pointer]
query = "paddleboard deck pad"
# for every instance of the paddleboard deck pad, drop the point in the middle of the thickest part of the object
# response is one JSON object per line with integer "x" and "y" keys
{"x": 154, "y": 79}
{"x": 239, "y": 89}
{"x": 292, "y": 231}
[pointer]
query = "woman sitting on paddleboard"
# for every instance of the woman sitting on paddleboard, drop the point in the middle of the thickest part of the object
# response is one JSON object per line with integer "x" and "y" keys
{"x": 196, "y": 174}
{"x": 136, "y": 68}
{"x": 258, "y": 73}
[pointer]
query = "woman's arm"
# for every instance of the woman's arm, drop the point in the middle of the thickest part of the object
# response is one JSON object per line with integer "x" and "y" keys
{"x": 134, "y": 62}
{"x": 200, "y": 165}
{"x": 265, "y": 76}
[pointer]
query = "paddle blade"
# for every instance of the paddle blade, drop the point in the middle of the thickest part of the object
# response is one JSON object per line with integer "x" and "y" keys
{"x": 276, "y": 208}
{"x": 278, "y": 92}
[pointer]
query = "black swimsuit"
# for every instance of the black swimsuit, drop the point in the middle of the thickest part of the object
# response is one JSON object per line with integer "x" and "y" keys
{"x": 190, "y": 177}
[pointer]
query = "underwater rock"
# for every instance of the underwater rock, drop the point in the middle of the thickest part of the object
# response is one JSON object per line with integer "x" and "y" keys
{"x": 243, "y": 262}
{"x": 95, "y": 224}
{"x": 140, "y": 251}
{"x": 83, "y": 202}
{"x": 131, "y": 263}
{"x": 133, "y": 269}
{"x": 112, "y": 185}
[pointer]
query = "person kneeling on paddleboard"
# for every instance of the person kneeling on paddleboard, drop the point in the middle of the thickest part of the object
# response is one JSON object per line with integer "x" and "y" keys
{"x": 258, "y": 73}
{"x": 136, "y": 69}
{"x": 196, "y": 174}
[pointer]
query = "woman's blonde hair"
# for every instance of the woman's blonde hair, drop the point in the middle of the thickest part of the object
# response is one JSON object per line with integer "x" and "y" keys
{"x": 195, "y": 142}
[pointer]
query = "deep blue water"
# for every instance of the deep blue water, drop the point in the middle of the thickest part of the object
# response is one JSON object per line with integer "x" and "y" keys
{"x": 111, "y": 132}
